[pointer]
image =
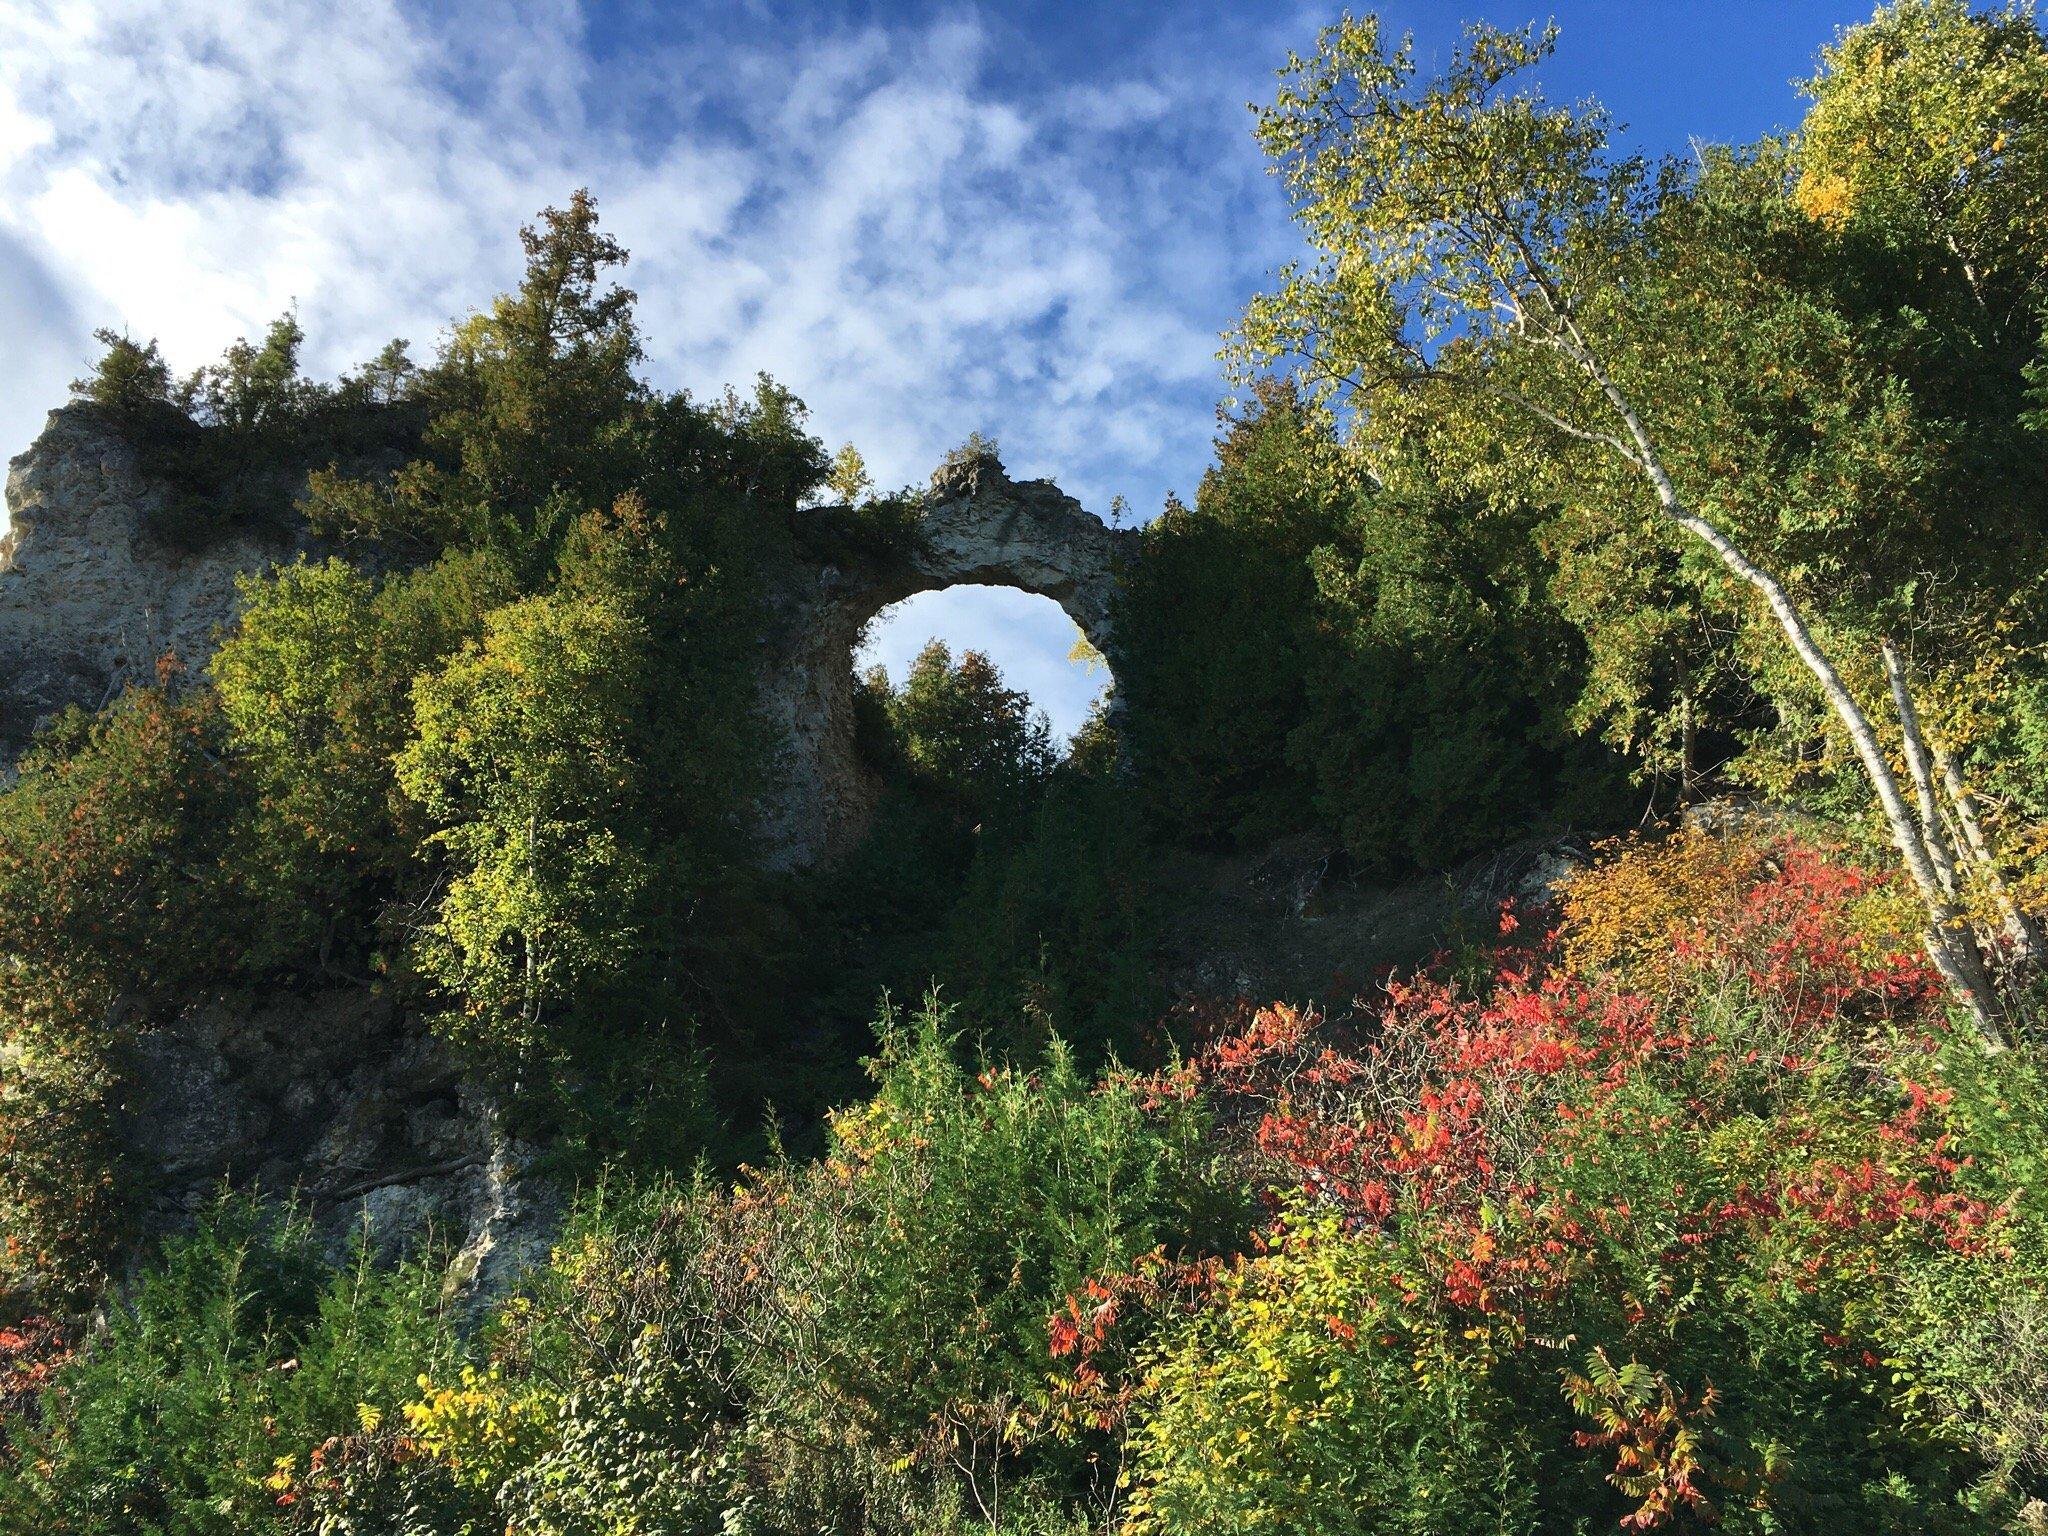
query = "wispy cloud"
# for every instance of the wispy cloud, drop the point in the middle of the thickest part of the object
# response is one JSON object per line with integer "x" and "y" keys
{"x": 926, "y": 227}
{"x": 917, "y": 236}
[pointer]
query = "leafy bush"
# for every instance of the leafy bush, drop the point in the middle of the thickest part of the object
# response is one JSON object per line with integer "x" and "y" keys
{"x": 115, "y": 890}
{"x": 1571, "y": 1249}
{"x": 1303, "y": 650}
{"x": 239, "y": 1348}
{"x": 856, "y": 1344}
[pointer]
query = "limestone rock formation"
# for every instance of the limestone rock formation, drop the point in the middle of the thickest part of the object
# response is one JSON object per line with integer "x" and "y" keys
{"x": 90, "y": 598}
{"x": 335, "y": 1098}
{"x": 979, "y": 527}
{"x": 340, "y": 1097}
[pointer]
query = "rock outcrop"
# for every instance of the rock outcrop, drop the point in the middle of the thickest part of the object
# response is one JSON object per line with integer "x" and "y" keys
{"x": 339, "y": 1097}
{"x": 979, "y": 528}
{"x": 90, "y": 597}
{"x": 346, "y": 1105}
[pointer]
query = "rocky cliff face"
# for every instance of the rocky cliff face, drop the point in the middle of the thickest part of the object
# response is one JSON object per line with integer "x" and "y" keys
{"x": 980, "y": 528}
{"x": 346, "y": 1105}
{"x": 89, "y": 597}
{"x": 338, "y": 1097}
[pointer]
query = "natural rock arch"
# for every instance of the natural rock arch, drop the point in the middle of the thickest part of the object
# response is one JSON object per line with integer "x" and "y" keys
{"x": 979, "y": 528}
{"x": 89, "y": 599}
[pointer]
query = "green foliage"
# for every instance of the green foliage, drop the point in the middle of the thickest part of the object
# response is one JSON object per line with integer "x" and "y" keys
{"x": 946, "y": 1223}
{"x": 129, "y": 378}
{"x": 1214, "y": 644}
{"x": 231, "y": 442}
{"x": 1271, "y": 1417}
{"x": 1845, "y": 413}
{"x": 115, "y": 891}
{"x": 254, "y": 388}
{"x": 857, "y": 1344}
{"x": 1929, "y": 132}
{"x": 849, "y": 479}
{"x": 111, "y": 845}
{"x": 965, "y": 737}
{"x": 239, "y": 1351}
{"x": 1057, "y": 928}
{"x": 1379, "y": 662}
{"x": 1019, "y": 882}
{"x": 510, "y": 768}
{"x": 520, "y": 762}
{"x": 533, "y": 402}
{"x": 314, "y": 686}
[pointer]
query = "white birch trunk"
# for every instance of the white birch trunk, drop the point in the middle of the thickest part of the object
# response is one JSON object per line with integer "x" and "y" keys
{"x": 1949, "y": 944}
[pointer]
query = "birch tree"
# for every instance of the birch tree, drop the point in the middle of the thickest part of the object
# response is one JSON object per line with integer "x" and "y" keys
{"x": 1484, "y": 259}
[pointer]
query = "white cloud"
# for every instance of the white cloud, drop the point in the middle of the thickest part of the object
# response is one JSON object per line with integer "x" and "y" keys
{"x": 890, "y": 220}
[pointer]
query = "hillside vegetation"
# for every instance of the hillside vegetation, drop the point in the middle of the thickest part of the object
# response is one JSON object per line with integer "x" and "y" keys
{"x": 1561, "y": 491}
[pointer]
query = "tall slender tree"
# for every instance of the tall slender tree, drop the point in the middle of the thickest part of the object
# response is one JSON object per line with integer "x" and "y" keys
{"x": 1490, "y": 274}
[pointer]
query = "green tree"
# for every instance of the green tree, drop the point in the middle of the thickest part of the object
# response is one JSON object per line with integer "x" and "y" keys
{"x": 1376, "y": 658}
{"x": 521, "y": 760}
{"x": 130, "y": 376}
{"x": 849, "y": 480}
{"x": 1486, "y": 267}
{"x": 532, "y": 402}
{"x": 1929, "y": 133}
{"x": 256, "y": 388}
{"x": 386, "y": 379}
{"x": 1213, "y": 651}
{"x": 314, "y": 684}
{"x": 967, "y": 736}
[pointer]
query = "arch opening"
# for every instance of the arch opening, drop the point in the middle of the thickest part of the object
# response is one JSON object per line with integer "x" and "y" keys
{"x": 1034, "y": 642}
{"x": 977, "y": 530}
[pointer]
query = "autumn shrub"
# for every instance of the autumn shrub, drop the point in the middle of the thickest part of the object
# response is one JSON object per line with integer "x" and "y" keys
{"x": 32, "y": 1350}
{"x": 853, "y": 1344}
{"x": 115, "y": 893}
{"x": 1561, "y": 1249}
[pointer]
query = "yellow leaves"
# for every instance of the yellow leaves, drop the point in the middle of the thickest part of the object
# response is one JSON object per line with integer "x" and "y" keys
{"x": 1621, "y": 913}
{"x": 480, "y": 1427}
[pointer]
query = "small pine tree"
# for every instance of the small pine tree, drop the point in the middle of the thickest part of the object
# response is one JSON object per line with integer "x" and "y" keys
{"x": 849, "y": 480}
{"x": 130, "y": 375}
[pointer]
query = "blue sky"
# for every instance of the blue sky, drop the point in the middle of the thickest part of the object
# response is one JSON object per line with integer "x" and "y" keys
{"x": 1030, "y": 219}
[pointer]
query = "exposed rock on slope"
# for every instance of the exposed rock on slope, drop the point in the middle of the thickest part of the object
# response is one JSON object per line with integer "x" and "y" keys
{"x": 90, "y": 598}
{"x": 345, "y": 1104}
